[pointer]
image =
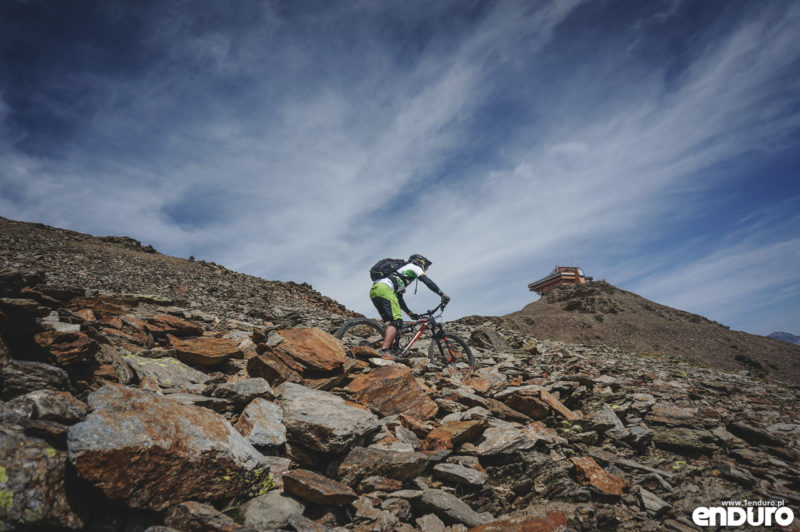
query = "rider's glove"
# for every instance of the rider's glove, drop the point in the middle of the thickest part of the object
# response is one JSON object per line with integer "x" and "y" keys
{"x": 445, "y": 299}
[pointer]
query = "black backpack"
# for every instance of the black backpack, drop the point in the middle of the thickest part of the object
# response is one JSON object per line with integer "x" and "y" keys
{"x": 384, "y": 268}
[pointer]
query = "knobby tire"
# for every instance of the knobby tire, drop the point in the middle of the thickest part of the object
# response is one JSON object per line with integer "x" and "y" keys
{"x": 360, "y": 330}
{"x": 458, "y": 349}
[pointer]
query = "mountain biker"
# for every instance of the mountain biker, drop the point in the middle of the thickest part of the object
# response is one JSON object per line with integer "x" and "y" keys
{"x": 387, "y": 296}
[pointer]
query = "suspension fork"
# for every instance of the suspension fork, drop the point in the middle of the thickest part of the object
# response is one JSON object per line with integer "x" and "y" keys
{"x": 445, "y": 350}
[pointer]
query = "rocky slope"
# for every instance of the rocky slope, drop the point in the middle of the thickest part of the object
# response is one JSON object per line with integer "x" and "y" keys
{"x": 122, "y": 265}
{"x": 182, "y": 411}
{"x": 599, "y": 313}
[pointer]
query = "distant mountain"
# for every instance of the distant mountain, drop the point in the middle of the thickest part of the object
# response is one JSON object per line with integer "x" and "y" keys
{"x": 786, "y": 337}
{"x": 600, "y": 313}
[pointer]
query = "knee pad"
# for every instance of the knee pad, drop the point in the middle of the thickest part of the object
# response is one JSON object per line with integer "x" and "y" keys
{"x": 396, "y": 324}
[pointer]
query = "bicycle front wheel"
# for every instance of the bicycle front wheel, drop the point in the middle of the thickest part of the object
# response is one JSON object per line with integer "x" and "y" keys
{"x": 361, "y": 331}
{"x": 450, "y": 349}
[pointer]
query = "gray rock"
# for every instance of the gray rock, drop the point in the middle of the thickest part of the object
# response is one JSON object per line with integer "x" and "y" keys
{"x": 460, "y": 474}
{"x": 212, "y": 403}
{"x": 430, "y": 523}
{"x": 20, "y": 377}
{"x": 323, "y": 421}
{"x": 450, "y": 508}
{"x": 684, "y": 440}
{"x": 754, "y": 435}
{"x": 243, "y": 392}
{"x": 51, "y": 405}
{"x": 639, "y": 436}
{"x": 366, "y": 462}
{"x": 271, "y": 511}
{"x": 504, "y": 440}
{"x": 608, "y": 422}
{"x": 654, "y": 505}
{"x": 261, "y": 424}
{"x": 191, "y": 516}
{"x": 32, "y": 493}
{"x": 169, "y": 374}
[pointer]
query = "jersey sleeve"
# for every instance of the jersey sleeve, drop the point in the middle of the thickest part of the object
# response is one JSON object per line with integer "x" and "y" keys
{"x": 430, "y": 284}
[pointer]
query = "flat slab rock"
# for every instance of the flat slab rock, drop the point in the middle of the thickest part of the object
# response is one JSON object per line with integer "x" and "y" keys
{"x": 153, "y": 452}
{"x": 364, "y": 462}
{"x": 313, "y": 348}
{"x": 322, "y": 421}
{"x": 450, "y": 508}
{"x": 392, "y": 390}
{"x": 205, "y": 350}
{"x": 550, "y": 522}
{"x": 316, "y": 488}
{"x": 589, "y": 472}
{"x": 169, "y": 374}
{"x": 459, "y": 474}
{"x": 21, "y": 377}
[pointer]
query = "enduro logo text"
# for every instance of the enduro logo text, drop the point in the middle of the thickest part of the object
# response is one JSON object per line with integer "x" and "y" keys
{"x": 736, "y": 513}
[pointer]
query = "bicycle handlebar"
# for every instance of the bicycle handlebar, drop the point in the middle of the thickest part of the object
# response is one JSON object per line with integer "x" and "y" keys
{"x": 435, "y": 310}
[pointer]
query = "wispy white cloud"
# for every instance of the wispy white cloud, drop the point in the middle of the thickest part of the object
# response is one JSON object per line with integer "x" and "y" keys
{"x": 305, "y": 145}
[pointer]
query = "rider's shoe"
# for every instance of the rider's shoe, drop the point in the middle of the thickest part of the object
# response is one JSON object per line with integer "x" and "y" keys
{"x": 388, "y": 354}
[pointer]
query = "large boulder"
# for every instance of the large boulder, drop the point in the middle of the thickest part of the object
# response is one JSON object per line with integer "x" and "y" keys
{"x": 314, "y": 349}
{"x": 308, "y": 356}
{"x": 153, "y": 452}
{"x": 322, "y": 421}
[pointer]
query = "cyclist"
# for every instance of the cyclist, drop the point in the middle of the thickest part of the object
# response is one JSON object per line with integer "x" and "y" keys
{"x": 387, "y": 296}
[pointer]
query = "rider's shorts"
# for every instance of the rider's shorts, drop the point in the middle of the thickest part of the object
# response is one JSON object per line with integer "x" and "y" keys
{"x": 385, "y": 300}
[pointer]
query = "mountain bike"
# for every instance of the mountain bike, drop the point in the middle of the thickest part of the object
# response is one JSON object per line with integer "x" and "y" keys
{"x": 451, "y": 349}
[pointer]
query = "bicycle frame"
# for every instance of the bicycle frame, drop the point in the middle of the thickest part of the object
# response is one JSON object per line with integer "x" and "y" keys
{"x": 428, "y": 321}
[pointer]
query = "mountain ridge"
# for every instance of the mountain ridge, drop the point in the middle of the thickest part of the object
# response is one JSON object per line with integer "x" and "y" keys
{"x": 600, "y": 313}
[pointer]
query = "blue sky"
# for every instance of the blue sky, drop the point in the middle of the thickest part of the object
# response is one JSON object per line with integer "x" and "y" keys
{"x": 653, "y": 143}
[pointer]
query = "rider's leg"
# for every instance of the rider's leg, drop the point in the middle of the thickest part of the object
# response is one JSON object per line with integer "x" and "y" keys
{"x": 385, "y": 300}
{"x": 388, "y": 338}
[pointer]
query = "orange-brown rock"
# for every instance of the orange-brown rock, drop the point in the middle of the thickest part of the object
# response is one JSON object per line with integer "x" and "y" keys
{"x": 502, "y": 411}
{"x": 165, "y": 324}
{"x": 67, "y": 348}
{"x": 316, "y": 488}
{"x": 479, "y": 384}
{"x": 271, "y": 368}
{"x": 313, "y": 348}
{"x": 558, "y": 406}
{"x": 392, "y": 390}
{"x": 453, "y": 433}
{"x": 87, "y": 314}
{"x": 104, "y": 305}
{"x": 528, "y": 405}
{"x": 588, "y": 472}
{"x": 550, "y": 522}
{"x": 205, "y": 351}
{"x": 364, "y": 351}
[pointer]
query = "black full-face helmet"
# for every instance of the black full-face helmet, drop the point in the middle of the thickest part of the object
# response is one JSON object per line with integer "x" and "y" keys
{"x": 420, "y": 261}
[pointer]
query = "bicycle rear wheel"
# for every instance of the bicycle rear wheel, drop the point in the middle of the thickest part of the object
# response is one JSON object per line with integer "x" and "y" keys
{"x": 361, "y": 331}
{"x": 451, "y": 350}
